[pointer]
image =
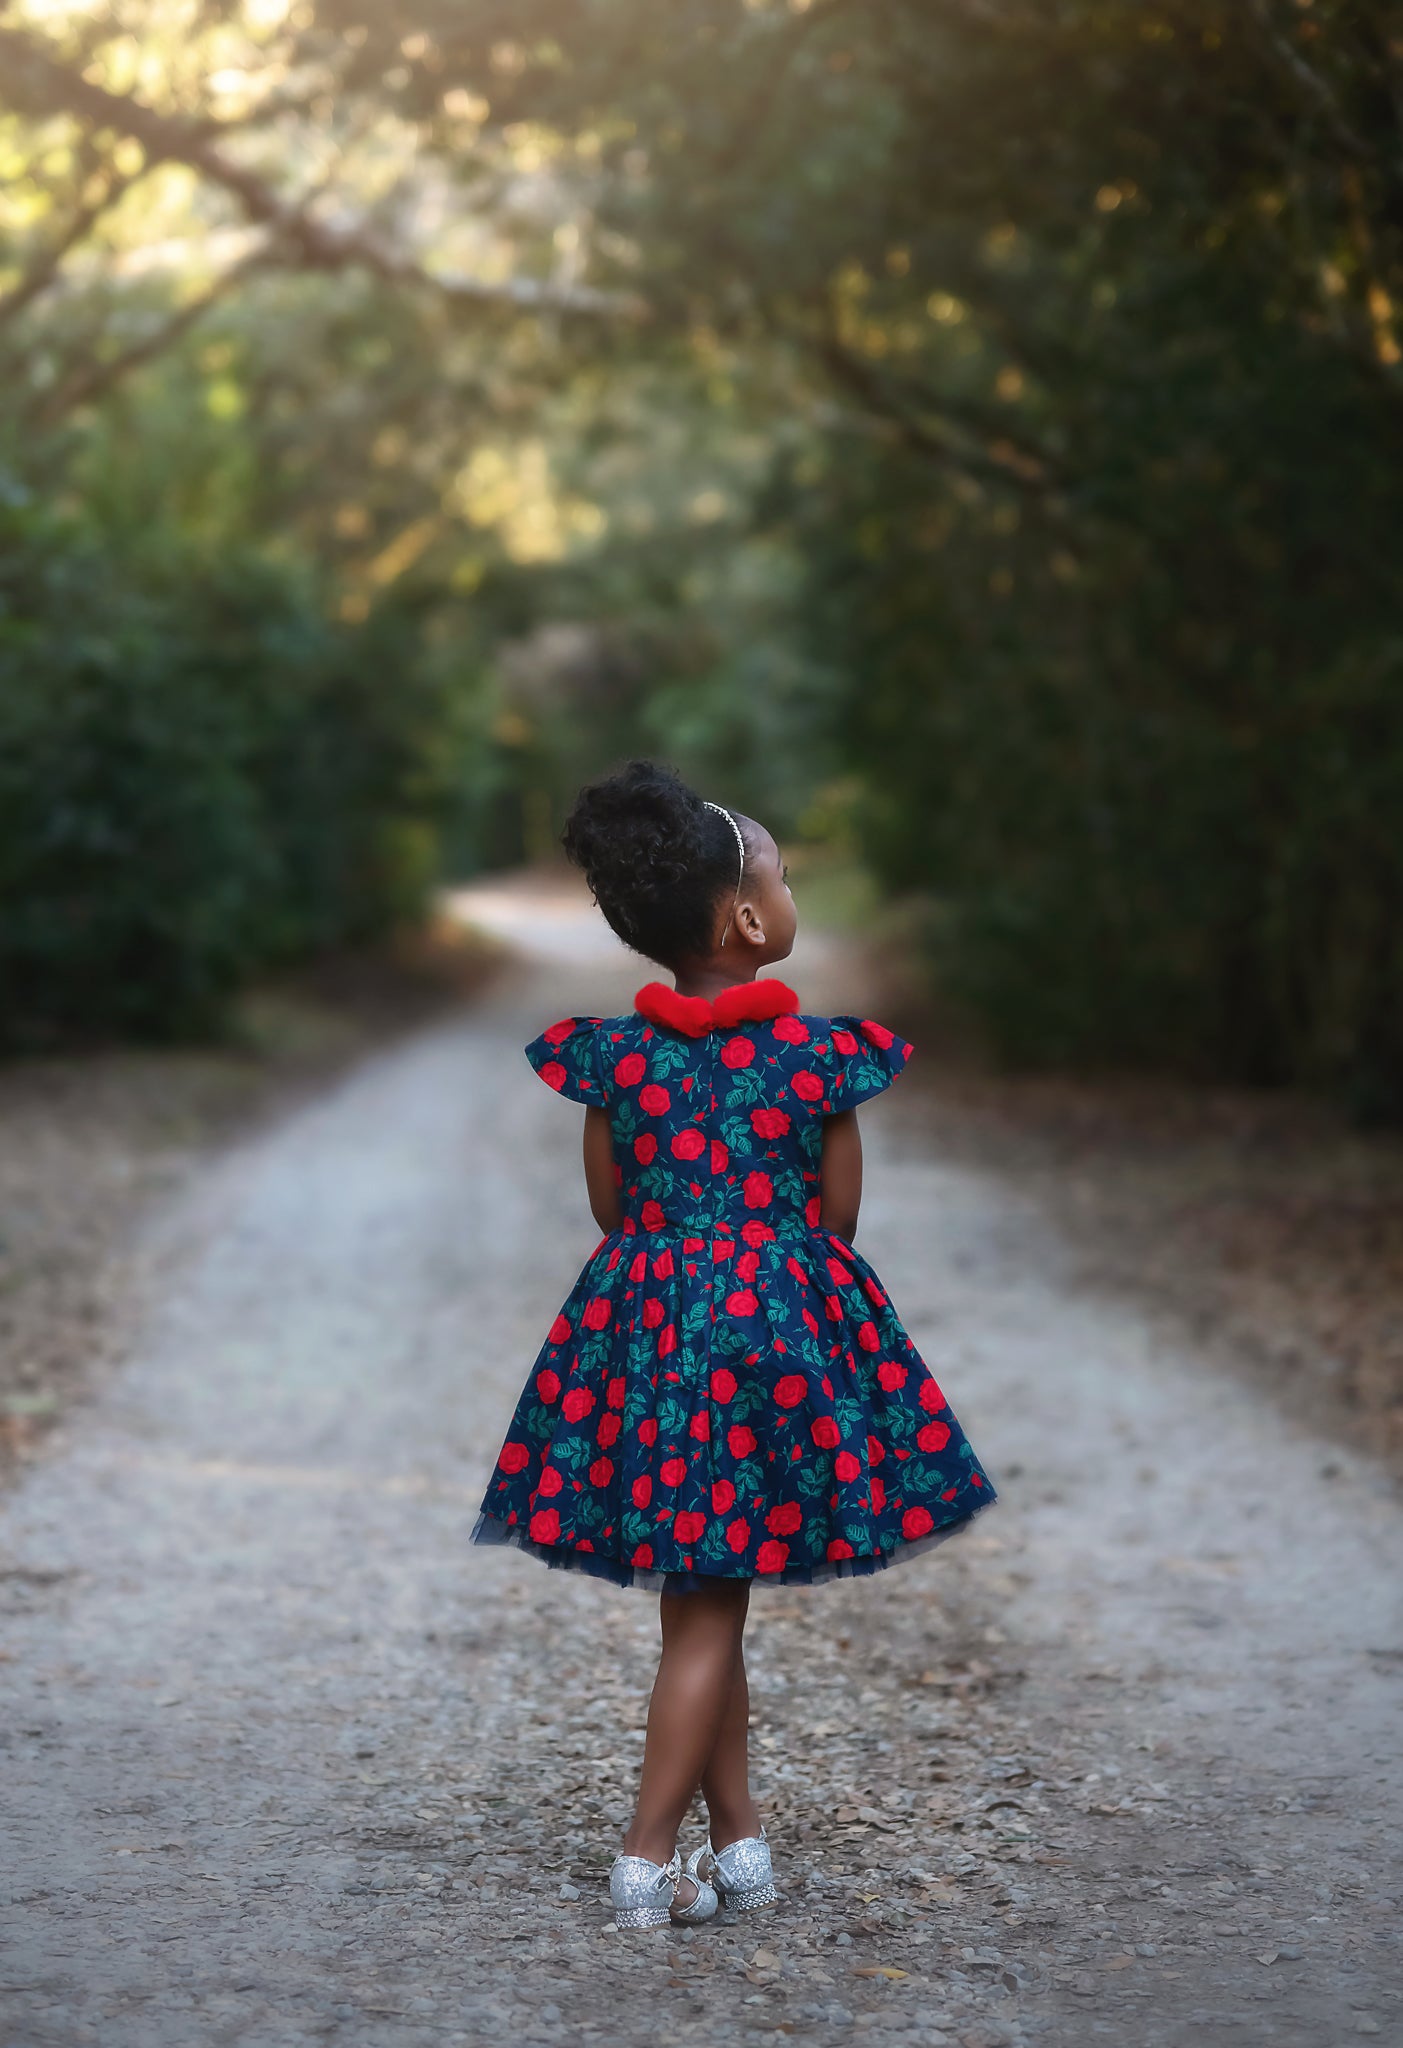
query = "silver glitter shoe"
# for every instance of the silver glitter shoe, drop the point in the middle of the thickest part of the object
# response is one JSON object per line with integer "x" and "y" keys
{"x": 644, "y": 1894}
{"x": 741, "y": 1872}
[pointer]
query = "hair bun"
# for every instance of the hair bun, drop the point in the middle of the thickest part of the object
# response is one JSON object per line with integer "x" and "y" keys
{"x": 655, "y": 857}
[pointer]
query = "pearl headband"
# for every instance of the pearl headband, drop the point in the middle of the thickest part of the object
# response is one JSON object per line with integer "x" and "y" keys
{"x": 740, "y": 842}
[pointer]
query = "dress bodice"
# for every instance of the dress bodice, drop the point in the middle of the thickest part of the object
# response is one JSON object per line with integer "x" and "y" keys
{"x": 717, "y": 1109}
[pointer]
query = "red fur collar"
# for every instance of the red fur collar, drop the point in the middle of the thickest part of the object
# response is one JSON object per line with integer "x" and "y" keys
{"x": 744, "y": 1002}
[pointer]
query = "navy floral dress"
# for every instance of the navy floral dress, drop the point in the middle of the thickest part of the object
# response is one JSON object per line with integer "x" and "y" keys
{"x": 727, "y": 1391}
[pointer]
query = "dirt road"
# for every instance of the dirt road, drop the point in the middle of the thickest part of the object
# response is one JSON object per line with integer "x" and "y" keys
{"x": 285, "y": 1762}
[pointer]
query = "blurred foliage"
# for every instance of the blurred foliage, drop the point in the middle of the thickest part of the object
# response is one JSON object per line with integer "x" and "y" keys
{"x": 970, "y": 431}
{"x": 197, "y": 781}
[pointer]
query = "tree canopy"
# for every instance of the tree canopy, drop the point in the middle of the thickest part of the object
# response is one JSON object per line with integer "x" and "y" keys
{"x": 974, "y": 425}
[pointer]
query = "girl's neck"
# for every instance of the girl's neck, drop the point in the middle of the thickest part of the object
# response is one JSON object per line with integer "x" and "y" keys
{"x": 708, "y": 982}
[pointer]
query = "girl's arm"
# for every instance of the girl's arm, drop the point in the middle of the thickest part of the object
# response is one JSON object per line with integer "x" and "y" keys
{"x": 840, "y": 1174}
{"x": 604, "y": 1200}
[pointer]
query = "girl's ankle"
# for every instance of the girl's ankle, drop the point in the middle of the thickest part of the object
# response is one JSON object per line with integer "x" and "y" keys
{"x": 727, "y": 1828}
{"x": 637, "y": 1842}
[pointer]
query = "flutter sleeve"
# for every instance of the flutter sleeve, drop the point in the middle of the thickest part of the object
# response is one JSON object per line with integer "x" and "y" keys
{"x": 868, "y": 1059}
{"x": 567, "y": 1058}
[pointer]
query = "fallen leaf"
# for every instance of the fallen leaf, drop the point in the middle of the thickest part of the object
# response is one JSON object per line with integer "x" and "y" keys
{"x": 1268, "y": 1955}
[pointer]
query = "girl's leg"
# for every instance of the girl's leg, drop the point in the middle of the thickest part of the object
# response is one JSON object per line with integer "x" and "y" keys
{"x": 725, "y": 1783}
{"x": 692, "y": 1692}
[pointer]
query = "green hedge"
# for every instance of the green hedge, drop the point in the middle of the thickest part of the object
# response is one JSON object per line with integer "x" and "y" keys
{"x": 200, "y": 777}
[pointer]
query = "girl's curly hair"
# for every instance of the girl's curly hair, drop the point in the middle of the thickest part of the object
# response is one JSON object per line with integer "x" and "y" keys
{"x": 657, "y": 860}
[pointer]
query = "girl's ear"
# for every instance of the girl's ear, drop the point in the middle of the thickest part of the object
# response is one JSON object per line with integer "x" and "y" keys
{"x": 748, "y": 924}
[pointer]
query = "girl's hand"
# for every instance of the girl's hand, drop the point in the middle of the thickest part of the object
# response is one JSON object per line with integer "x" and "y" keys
{"x": 840, "y": 1174}
{"x": 605, "y": 1202}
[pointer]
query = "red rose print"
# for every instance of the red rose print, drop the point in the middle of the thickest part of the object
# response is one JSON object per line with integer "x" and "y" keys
{"x": 577, "y": 1404}
{"x": 949, "y": 1493}
{"x": 834, "y": 1305}
{"x": 688, "y": 1144}
{"x": 845, "y": 1043}
{"x": 550, "y": 1481}
{"x": 738, "y": 1535}
{"x": 672, "y": 1471}
{"x": 722, "y": 1248}
{"x": 653, "y": 1312}
{"x": 827, "y": 1386}
{"x": 876, "y": 1451}
{"x": 846, "y": 1467}
{"x": 975, "y": 1479}
{"x": 616, "y": 1392}
{"x": 810, "y": 1322}
{"x": 740, "y": 1441}
{"x": 790, "y": 1391}
{"x": 720, "y": 1156}
{"x": 609, "y": 1428}
{"x": 838, "y": 1548}
{"x": 638, "y": 1266}
{"x": 916, "y": 1522}
{"x": 742, "y": 1303}
{"x": 688, "y": 1527}
{"x": 811, "y": 1212}
{"x": 553, "y": 1074}
{"x": 839, "y": 1274}
{"x": 645, "y": 1149}
{"x": 648, "y": 1430}
{"x": 891, "y": 1375}
{"x": 654, "y": 1100}
{"x": 737, "y": 1052}
{"x": 825, "y": 1432}
{"x": 642, "y": 1491}
{"x": 545, "y": 1526}
{"x": 556, "y": 1034}
{"x": 747, "y": 1265}
{"x": 933, "y": 1437}
{"x": 548, "y": 1385}
{"x": 597, "y": 1312}
{"x": 931, "y": 1398}
{"x": 667, "y": 1340}
{"x": 630, "y": 1069}
{"x": 601, "y": 1472}
{"x": 560, "y": 1331}
{"x": 792, "y": 1030}
{"x": 807, "y": 1085}
{"x": 756, "y": 1232}
{"x": 771, "y": 1557}
{"x": 759, "y": 1190}
{"x": 723, "y": 1496}
{"x": 769, "y": 1123}
{"x": 700, "y": 1427}
{"x": 869, "y": 1340}
{"x": 874, "y": 1293}
{"x": 723, "y": 1384}
{"x": 663, "y": 1267}
{"x": 643, "y": 1556}
{"x": 878, "y": 1033}
{"x": 791, "y": 1265}
{"x": 654, "y": 1215}
{"x": 878, "y": 1493}
{"x": 514, "y": 1457}
{"x": 785, "y": 1519}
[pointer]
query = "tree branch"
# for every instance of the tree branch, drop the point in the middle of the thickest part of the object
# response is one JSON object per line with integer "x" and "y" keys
{"x": 985, "y": 450}
{"x": 47, "y": 265}
{"x": 94, "y": 380}
{"x": 43, "y": 83}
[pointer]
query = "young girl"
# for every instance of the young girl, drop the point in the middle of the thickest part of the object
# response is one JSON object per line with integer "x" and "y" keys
{"x": 727, "y": 1396}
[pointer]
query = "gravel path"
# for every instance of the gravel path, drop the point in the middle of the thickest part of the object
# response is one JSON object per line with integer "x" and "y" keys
{"x": 284, "y": 1761}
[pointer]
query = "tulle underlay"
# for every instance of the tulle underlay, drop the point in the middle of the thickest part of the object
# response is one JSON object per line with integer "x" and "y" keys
{"x": 559, "y": 1557}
